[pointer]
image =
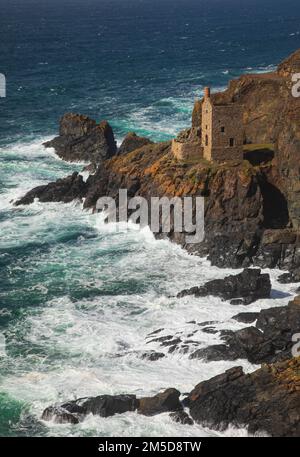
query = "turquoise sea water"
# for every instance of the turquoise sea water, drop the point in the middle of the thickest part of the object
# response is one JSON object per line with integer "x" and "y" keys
{"x": 77, "y": 298}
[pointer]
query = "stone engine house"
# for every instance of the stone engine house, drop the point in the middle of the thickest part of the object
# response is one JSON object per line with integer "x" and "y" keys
{"x": 221, "y": 134}
{"x": 222, "y": 130}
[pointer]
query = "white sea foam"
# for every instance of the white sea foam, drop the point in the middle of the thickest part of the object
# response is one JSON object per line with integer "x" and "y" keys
{"x": 26, "y": 149}
{"x": 260, "y": 69}
{"x": 27, "y": 164}
{"x": 93, "y": 346}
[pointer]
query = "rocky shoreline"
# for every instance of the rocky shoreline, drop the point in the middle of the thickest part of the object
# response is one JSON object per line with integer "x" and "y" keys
{"x": 266, "y": 401}
{"x": 252, "y": 218}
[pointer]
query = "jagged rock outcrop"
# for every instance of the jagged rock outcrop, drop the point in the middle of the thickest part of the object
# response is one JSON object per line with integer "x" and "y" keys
{"x": 266, "y": 401}
{"x": 105, "y": 405}
{"x": 271, "y": 340}
{"x": 132, "y": 142}
{"x": 242, "y": 289}
{"x": 82, "y": 139}
{"x": 63, "y": 190}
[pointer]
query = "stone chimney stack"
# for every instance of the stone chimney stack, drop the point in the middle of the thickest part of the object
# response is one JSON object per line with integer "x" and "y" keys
{"x": 207, "y": 92}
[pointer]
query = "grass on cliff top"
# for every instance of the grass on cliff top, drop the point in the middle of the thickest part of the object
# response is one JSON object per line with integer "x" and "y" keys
{"x": 201, "y": 164}
{"x": 258, "y": 147}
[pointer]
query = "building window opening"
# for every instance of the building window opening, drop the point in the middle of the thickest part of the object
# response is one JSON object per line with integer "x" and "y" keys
{"x": 206, "y": 140}
{"x": 231, "y": 142}
{"x": 223, "y": 129}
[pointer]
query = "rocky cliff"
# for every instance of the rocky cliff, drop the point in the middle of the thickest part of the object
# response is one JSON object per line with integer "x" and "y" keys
{"x": 82, "y": 139}
{"x": 233, "y": 202}
{"x": 132, "y": 142}
{"x": 252, "y": 216}
{"x": 267, "y": 400}
{"x": 252, "y": 208}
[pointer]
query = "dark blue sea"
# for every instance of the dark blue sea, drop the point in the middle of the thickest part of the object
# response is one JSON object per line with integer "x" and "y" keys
{"x": 138, "y": 63}
{"x": 77, "y": 298}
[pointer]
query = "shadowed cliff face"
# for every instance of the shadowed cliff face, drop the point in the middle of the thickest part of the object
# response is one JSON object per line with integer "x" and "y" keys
{"x": 275, "y": 208}
{"x": 288, "y": 160}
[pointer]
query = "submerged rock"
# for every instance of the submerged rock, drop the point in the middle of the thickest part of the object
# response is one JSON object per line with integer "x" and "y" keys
{"x": 75, "y": 411}
{"x": 279, "y": 325}
{"x": 291, "y": 277}
{"x": 104, "y": 406}
{"x": 59, "y": 415}
{"x": 267, "y": 400}
{"x": 215, "y": 352}
{"x": 246, "y": 318}
{"x": 247, "y": 287}
{"x": 82, "y": 139}
{"x": 181, "y": 417}
{"x": 153, "y": 356}
{"x": 270, "y": 341}
{"x": 132, "y": 142}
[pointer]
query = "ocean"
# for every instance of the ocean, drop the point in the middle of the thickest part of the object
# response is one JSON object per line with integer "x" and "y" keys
{"x": 77, "y": 298}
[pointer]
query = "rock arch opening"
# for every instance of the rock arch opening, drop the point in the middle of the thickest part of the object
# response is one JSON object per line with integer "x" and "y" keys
{"x": 275, "y": 207}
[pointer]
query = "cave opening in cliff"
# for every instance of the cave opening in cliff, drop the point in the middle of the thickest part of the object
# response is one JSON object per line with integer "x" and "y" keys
{"x": 275, "y": 207}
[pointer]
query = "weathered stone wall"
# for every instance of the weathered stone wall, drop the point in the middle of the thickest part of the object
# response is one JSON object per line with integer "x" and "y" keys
{"x": 222, "y": 131}
{"x": 207, "y": 123}
{"x": 187, "y": 151}
{"x": 230, "y": 118}
{"x": 224, "y": 154}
